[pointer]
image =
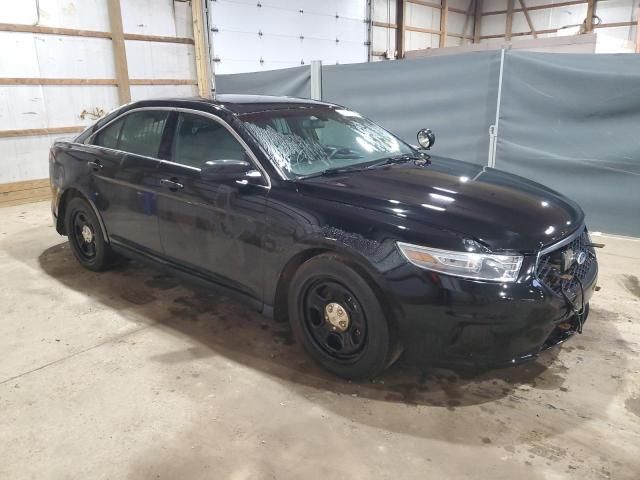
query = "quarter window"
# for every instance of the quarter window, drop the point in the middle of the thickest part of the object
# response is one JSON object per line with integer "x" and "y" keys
{"x": 142, "y": 132}
{"x": 199, "y": 139}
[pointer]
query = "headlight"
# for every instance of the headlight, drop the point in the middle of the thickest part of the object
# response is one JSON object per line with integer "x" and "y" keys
{"x": 479, "y": 266}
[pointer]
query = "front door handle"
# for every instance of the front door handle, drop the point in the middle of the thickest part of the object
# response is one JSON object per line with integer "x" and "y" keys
{"x": 95, "y": 165}
{"x": 172, "y": 184}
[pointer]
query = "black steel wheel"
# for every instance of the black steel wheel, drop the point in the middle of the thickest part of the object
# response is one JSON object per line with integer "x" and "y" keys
{"x": 334, "y": 319}
{"x": 336, "y": 315}
{"x": 85, "y": 236}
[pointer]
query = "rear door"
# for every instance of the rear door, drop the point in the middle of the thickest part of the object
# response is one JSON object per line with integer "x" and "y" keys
{"x": 215, "y": 228}
{"x": 126, "y": 177}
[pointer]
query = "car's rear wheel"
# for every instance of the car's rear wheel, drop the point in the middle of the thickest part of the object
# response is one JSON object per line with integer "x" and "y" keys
{"x": 85, "y": 236}
{"x": 335, "y": 314}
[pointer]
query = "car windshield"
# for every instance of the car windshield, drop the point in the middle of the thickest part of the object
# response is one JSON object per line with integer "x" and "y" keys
{"x": 311, "y": 141}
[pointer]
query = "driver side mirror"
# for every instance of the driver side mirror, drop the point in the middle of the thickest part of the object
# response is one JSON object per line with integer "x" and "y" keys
{"x": 219, "y": 170}
{"x": 426, "y": 138}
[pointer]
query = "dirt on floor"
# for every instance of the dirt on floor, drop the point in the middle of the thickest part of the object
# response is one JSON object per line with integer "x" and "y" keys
{"x": 132, "y": 374}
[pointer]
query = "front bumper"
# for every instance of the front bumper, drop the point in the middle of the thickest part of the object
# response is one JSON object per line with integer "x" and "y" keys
{"x": 451, "y": 321}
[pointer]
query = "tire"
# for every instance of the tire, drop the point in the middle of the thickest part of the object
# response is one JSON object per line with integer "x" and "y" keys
{"x": 85, "y": 236}
{"x": 324, "y": 292}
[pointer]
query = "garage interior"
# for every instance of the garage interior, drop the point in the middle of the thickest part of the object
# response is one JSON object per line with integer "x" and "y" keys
{"x": 132, "y": 373}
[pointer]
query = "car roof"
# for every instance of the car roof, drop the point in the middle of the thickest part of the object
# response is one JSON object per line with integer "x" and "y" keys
{"x": 236, "y": 103}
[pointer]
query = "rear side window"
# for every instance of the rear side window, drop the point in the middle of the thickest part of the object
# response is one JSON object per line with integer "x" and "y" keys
{"x": 142, "y": 132}
{"x": 108, "y": 137}
{"x": 199, "y": 139}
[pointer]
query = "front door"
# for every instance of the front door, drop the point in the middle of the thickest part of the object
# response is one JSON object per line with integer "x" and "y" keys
{"x": 125, "y": 178}
{"x": 215, "y": 228}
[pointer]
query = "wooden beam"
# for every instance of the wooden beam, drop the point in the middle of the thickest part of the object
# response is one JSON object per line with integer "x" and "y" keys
{"x": 158, "y": 38}
{"x": 163, "y": 81}
{"x": 467, "y": 17}
{"x": 588, "y": 21}
{"x": 444, "y": 16}
{"x": 519, "y": 34}
{"x": 614, "y": 25}
{"x": 401, "y": 10}
{"x": 384, "y": 24}
{"x": 538, "y": 7}
{"x": 425, "y": 3}
{"x": 528, "y": 18}
{"x": 58, "y": 81}
{"x": 95, "y": 81}
{"x": 16, "y": 193}
{"x": 202, "y": 53}
{"x": 422, "y": 30}
{"x": 477, "y": 22}
{"x": 509, "y": 21}
{"x": 459, "y": 35}
{"x": 32, "y": 132}
{"x": 119, "y": 51}
{"x": 72, "y": 32}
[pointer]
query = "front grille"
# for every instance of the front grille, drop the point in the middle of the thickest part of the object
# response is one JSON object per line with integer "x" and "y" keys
{"x": 550, "y": 269}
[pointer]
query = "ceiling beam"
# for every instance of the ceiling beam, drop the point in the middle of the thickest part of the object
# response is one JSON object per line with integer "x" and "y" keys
{"x": 477, "y": 22}
{"x": 467, "y": 17}
{"x": 444, "y": 16}
{"x": 538, "y": 7}
{"x": 401, "y": 10}
{"x": 201, "y": 49}
{"x": 509, "y": 21}
{"x": 119, "y": 51}
{"x": 588, "y": 21}
{"x": 528, "y": 18}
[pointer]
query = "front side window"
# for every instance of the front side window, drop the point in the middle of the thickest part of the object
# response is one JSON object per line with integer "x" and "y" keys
{"x": 108, "y": 136}
{"x": 308, "y": 141}
{"x": 142, "y": 132}
{"x": 199, "y": 139}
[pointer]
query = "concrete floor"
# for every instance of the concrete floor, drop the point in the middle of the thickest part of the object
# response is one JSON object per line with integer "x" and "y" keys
{"x": 128, "y": 374}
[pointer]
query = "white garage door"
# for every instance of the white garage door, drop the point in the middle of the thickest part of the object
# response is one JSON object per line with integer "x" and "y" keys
{"x": 254, "y": 35}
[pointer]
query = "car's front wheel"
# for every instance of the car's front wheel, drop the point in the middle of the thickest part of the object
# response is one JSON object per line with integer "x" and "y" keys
{"x": 335, "y": 314}
{"x": 85, "y": 236}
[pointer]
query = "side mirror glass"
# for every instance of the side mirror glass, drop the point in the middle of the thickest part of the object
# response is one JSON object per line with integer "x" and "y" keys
{"x": 218, "y": 170}
{"x": 426, "y": 138}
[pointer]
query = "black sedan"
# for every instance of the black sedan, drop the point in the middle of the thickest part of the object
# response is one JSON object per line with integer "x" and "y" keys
{"x": 312, "y": 213}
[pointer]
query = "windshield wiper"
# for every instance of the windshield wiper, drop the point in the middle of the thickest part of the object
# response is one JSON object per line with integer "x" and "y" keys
{"x": 332, "y": 171}
{"x": 405, "y": 157}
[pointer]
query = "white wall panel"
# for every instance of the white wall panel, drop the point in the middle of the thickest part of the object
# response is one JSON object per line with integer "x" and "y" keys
{"x": 383, "y": 39}
{"x": 81, "y": 14}
{"x": 74, "y": 57}
{"x": 22, "y": 107}
{"x": 239, "y": 47}
{"x": 384, "y": 11}
{"x": 422, "y": 16}
{"x": 55, "y": 56}
{"x": 27, "y": 158}
{"x": 160, "y": 60}
{"x": 64, "y": 103}
{"x": 23, "y": 12}
{"x": 19, "y": 55}
{"x": 142, "y": 92}
{"x": 148, "y": 17}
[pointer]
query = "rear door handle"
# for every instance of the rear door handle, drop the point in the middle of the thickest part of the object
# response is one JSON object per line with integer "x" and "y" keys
{"x": 172, "y": 184}
{"x": 95, "y": 165}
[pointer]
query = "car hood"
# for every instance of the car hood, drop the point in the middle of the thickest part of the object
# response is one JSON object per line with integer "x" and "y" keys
{"x": 501, "y": 210}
